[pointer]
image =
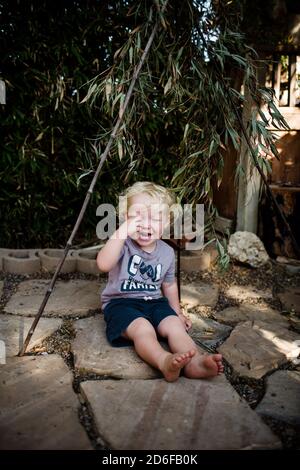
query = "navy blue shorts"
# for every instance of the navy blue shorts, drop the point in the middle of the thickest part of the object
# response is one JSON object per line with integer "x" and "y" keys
{"x": 119, "y": 313}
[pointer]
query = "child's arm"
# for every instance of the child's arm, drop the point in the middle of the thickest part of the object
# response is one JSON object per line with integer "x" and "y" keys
{"x": 170, "y": 290}
{"x": 108, "y": 256}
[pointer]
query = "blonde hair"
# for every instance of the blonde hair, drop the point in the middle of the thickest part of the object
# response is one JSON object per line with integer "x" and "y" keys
{"x": 154, "y": 190}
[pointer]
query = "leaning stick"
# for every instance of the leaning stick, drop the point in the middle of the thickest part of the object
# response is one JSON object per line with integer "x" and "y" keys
{"x": 93, "y": 183}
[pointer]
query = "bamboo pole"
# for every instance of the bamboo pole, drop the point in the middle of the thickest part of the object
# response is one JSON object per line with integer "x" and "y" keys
{"x": 94, "y": 180}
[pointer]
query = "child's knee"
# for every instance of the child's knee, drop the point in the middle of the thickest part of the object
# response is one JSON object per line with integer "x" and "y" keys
{"x": 137, "y": 327}
{"x": 170, "y": 324}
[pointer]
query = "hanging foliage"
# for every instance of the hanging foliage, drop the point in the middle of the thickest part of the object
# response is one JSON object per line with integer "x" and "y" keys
{"x": 199, "y": 57}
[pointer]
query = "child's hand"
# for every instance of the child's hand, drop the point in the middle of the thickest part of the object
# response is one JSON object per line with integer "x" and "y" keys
{"x": 132, "y": 225}
{"x": 186, "y": 321}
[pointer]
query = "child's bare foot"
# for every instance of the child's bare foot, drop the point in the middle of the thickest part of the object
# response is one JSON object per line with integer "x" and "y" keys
{"x": 204, "y": 366}
{"x": 173, "y": 364}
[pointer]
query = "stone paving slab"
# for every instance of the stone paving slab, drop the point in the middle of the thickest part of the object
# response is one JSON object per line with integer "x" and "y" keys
{"x": 183, "y": 415}
{"x": 234, "y": 315}
{"x": 199, "y": 294}
{"x": 255, "y": 348}
{"x": 282, "y": 398}
{"x": 93, "y": 353}
{"x": 75, "y": 298}
{"x": 243, "y": 293}
{"x": 290, "y": 299}
{"x": 38, "y": 408}
{"x": 208, "y": 331}
{"x": 14, "y": 329}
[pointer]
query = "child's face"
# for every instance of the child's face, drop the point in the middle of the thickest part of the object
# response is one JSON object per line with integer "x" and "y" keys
{"x": 154, "y": 217}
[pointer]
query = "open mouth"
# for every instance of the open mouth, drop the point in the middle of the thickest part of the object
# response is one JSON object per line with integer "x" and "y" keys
{"x": 145, "y": 236}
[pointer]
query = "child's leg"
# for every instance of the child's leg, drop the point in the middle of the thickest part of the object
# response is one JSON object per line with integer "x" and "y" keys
{"x": 200, "y": 366}
{"x": 142, "y": 333}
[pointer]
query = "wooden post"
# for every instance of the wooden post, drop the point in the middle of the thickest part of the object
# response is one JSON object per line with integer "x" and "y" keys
{"x": 250, "y": 182}
{"x": 277, "y": 77}
{"x": 292, "y": 80}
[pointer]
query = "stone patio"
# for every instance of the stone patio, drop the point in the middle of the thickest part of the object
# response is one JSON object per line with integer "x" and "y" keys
{"x": 92, "y": 353}
{"x": 234, "y": 315}
{"x": 185, "y": 415}
{"x": 207, "y": 331}
{"x": 75, "y": 298}
{"x": 134, "y": 408}
{"x": 201, "y": 294}
{"x": 282, "y": 398}
{"x": 244, "y": 293}
{"x": 290, "y": 299}
{"x": 14, "y": 329}
{"x": 255, "y": 348}
{"x": 38, "y": 408}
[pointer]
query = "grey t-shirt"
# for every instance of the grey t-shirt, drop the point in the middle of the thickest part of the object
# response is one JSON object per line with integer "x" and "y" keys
{"x": 139, "y": 274}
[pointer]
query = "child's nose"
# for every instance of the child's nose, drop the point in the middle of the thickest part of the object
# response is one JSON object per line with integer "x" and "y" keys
{"x": 146, "y": 222}
{"x": 146, "y": 225}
